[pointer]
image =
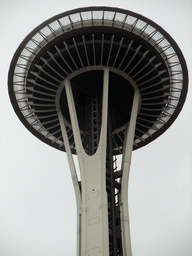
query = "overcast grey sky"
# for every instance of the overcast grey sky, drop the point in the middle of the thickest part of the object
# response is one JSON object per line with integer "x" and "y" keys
{"x": 37, "y": 201}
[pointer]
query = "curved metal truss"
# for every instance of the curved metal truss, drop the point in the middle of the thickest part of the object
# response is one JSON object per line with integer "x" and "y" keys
{"x": 88, "y": 39}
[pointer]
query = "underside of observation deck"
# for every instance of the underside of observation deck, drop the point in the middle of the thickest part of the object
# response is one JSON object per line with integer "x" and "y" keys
{"x": 79, "y": 43}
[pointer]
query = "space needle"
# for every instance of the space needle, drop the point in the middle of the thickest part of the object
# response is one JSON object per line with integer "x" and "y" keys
{"x": 98, "y": 82}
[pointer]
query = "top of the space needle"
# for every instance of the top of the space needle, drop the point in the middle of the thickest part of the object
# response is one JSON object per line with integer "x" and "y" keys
{"x": 78, "y": 44}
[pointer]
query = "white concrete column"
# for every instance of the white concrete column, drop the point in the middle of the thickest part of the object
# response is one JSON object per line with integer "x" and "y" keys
{"x": 72, "y": 169}
{"x": 126, "y": 162}
{"x": 94, "y": 220}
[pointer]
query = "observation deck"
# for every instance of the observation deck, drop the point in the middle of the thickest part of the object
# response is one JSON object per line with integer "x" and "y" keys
{"x": 78, "y": 45}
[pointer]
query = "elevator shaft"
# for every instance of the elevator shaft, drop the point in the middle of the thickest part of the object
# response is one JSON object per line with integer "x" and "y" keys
{"x": 113, "y": 188}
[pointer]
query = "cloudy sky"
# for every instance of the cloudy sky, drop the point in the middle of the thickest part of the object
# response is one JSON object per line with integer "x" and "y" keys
{"x": 37, "y": 201}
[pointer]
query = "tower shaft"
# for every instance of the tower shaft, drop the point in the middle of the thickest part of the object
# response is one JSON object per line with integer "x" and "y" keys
{"x": 100, "y": 224}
